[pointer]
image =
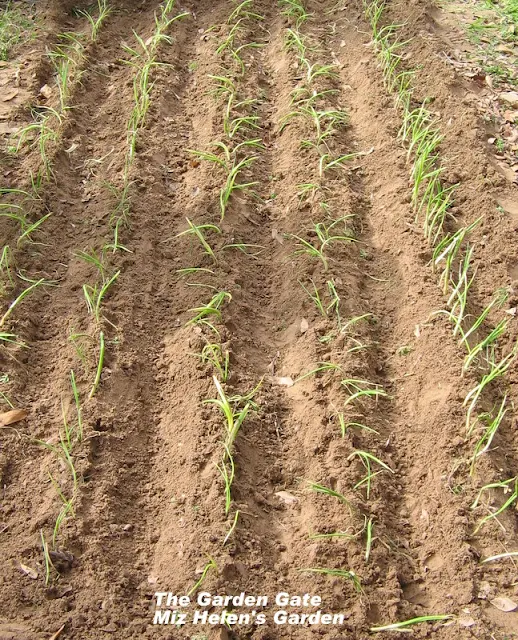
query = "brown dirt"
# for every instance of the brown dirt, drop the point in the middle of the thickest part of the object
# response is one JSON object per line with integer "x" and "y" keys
{"x": 151, "y": 507}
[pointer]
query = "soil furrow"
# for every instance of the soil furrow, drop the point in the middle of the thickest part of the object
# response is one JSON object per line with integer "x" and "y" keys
{"x": 352, "y": 467}
{"x": 433, "y": 506}
{"x": 110, "y": 487}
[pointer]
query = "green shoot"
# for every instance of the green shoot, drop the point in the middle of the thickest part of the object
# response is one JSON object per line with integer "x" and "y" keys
{"x": 325, "y": 237}
{"x": 46, "y": 558}
{"x": 315, "y": 298}
{"x": 492, "y": 424}
{"x": 505, "y": 485}
{"x": 95, "y": 23}
{"x": 361, "y": 389}
{"x": 338, "y": 573}
{"x": 368, "y": 546}
{"x": 219, "y": 359}
{"x": 210, "y": 565}
{"x": 320, "y": 488}
{"x": 211, "y": 309}
{"x": 398, "y": 626}
{"x": 366, "y": 459}
{"x": 19, "y": 299}
{"x": 95, "y": 295}
{"x": 322, "y": 366}
{"x": 79, "y": 413}
{"x": 100, "y": 363}
{"x": 197, "y": 231}
{"x": 231, "y": 530}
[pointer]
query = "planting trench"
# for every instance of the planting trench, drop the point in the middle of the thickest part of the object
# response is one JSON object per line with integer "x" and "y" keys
{"x": 150, "y": 509}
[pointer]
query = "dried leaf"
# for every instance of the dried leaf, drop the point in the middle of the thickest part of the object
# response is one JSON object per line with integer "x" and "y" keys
{"x": 287, "y": 497}
{"x": 284, "y": 382}
{"x": 277, "y": 236}
{"x": 9, "y": 95}
{"x": 29, "y": 571}
{"x": 466, "y": 621}
{"x": 504, "y": 604}
{"x": 510, "y": 98}
{"x": 10, "y": 417}
{"x": 46, "y": 91}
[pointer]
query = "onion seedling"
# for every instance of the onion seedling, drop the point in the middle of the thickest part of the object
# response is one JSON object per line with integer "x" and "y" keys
{"x": 315, "y": 297}
{"x": 46, "y": 558}
{"x": 506, "y": 485}
{"x": 326, "y": 163}
{"x": 235, "y": 410}
{"x": 320, "y": 488}
{"x": 492, "y": 424}
{"x": 338, "y": 534}
{"x": 338, "y": 573}
{"x": 326, "y": 235}
{"x": 197, "y": 230}
{"x": 211, "y": 309}
{"x": 322, "y": 366}
{"x": 294, "y": 9}
{"x": 211, "y": 564}
{"x": 401, "y": 626}
{"x": 104, "y": 12}
{"x": 20, "y": 298}
{"x": 293, "y": 40}
{"x": 44, "y": 136}
{"x": 6, "y": 278}
{"x": 368, "y": 545}
{"x": 500, "y": 556}
{"x": 360, "y": 389}
{"x": 366, "y": 459}
{"x": 241, "y": 11}
{"x": 497, "y": 369}
{"x": 219, "y": 359}
{"x": 316, "y": 70}
{"x": 100, "y": 363}
{"x": 345, "y": 426}
{"x": 231, "y": 530}
{"x": 94, "y": 295}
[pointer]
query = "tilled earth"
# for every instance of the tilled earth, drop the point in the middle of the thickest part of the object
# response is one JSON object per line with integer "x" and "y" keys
{"x": 151, "y": 508}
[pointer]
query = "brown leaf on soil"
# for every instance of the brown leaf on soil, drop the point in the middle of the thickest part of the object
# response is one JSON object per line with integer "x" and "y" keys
{"x": 29, "y": 571}
{"x": 277, "y": 236}
{"x": 504, "y": 604}
{"x": 287, "y": 497}
{"x": 46, "y": 91}
{"x": 466, "y": 621}
{"x": 10, "y": 417}
{"x": 10, "y": 95}
{"x": 510, "y": 98}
